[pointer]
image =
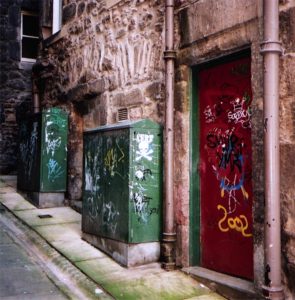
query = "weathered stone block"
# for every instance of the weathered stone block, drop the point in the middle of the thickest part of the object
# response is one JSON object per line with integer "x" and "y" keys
{"x": 287, "y": 168}
{"x": 69, "y": 12}
{"x": 133, "y": 97}
{"x": 287, "y": 76}
{"x": 14, "y": 50}
{"x": 91, "y": 6}
{"x": 182, "y": 73}
{"x": 154, "y": 90}
{"x": 78, "y": 92}
{"x": 81, "y": 9}
{"x": 17, "y": 84}
{"x": 287, "y": 121}
{"x": 287, "y": 29}
{"x": 14, "y": 15}
{"x": 204, "y": 18}
{"x": 181, "y": 96}
{"x": 97, "y": 87}
{"x": 3, "y": 78}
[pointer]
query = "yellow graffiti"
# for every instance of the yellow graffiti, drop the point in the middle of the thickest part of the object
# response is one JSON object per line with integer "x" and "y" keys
{"x": 111, "y": 159}
{"x": 245, "y": 194}
{"x": 239, "y": 224}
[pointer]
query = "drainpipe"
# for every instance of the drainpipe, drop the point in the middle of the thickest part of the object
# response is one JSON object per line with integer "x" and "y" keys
{"x": 36, "y": 98}
{"x": 169, "y": 235}
{"x": 271, "y": 51}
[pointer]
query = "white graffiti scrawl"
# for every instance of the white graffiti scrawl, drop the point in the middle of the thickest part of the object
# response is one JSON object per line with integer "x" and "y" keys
{"x": 144, "y": 147}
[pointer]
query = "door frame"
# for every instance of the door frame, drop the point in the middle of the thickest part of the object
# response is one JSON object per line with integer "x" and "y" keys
{"x": 194, "y": 155}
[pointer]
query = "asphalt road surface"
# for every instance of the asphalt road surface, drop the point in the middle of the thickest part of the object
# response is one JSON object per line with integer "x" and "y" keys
{"x": 21, "y": 275}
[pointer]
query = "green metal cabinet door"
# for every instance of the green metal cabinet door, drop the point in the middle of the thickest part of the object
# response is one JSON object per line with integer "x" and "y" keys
{"x": 54, "y": 150}
{"x": 145, "y": 184}
{"x": 93, "y": 189}
{"x": 116, "y": 182}
{"x": 105, "y": 187}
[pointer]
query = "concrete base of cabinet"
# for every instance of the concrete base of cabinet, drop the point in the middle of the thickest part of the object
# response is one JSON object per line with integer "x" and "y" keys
{"x": 46, "y": 200}
{"x": 128, "y": 255}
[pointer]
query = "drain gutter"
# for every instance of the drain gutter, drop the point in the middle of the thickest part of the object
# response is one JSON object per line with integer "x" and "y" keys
{"x": 271, "y": 51}
{"x": 169, "y": 235}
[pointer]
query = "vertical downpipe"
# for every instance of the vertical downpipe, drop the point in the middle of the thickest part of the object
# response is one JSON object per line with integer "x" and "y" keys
{"x": 271, "y": 51}
{"x": 169, "y": 235}
{"x": 36, "y": 99}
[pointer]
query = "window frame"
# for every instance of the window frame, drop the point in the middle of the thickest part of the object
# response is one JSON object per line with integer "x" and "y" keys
{"x": 56, "y": 16}
{"x": 26, "y": 59}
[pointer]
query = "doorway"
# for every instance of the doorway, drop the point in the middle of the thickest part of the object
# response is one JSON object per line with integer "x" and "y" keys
{"x": 224, "y": 166}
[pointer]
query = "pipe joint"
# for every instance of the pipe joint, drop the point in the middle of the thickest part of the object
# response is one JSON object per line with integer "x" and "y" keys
{"x": 169, "y": 237}
{"x": 168, "y": 251}
{"x": 170, "y": 54}
{"x": 271, "y": 47}
{"x": 274, "y": 292}
{"x": 169, "y": 3}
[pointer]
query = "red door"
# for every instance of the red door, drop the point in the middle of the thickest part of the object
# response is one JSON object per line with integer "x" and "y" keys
{"x": 225, "y": 168}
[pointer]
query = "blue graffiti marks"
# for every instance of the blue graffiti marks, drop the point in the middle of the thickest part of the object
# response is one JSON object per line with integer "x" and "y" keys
{"x": 54, "y": 170}
{"x": 226, "y": 154}
{"x": 228, "y": 148}
{"x": 52, "y": 145}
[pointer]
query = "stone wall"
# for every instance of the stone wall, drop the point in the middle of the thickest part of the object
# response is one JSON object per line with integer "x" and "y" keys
{"x": 15, "y": 80}
{"x": 287, "y": 140}
{"x": 104, "y": 59}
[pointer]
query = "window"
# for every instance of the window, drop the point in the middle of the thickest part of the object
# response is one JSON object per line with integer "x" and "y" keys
{"x": 51, "y": 17}
{"x": 56, "y": 16}
{"x": 29, "y": 36}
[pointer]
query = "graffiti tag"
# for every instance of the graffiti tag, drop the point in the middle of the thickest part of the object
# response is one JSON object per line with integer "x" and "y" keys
{"x": 144, "y": 147}
{"x": 239, "y": 224}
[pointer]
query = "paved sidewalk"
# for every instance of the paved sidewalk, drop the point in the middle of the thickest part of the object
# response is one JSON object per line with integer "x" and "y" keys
{"x": 61, "y": 228}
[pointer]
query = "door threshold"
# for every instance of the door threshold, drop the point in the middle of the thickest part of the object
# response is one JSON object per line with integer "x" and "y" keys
{"x": 228, "y": 286}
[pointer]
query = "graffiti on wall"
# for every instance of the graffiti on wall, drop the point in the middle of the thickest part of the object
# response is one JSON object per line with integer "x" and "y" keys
{"x": 104, "y": 159}
{"x": 140, "y": 195}
{"x": 226, "y": 193}
{"x": 227, "y": 135}
{"x": 113, "y": 158}
{"x": 28, "y": 147}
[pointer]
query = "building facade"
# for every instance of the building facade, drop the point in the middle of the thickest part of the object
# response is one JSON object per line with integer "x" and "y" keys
{"x": 105, "y": 64}
{"x": 19, "y": 39}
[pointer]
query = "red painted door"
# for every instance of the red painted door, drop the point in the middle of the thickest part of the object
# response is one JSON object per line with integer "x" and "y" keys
{"x": 225, "y": 168}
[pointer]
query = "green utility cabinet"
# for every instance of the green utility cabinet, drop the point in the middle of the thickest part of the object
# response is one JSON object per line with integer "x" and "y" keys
{"x": 122, "y": 190}
{"x": 43, "y": 156}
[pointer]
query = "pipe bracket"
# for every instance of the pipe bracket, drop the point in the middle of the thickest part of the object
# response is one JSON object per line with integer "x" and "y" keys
{"x": 271, "y": 46}
{"x": 170, "y": 54}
